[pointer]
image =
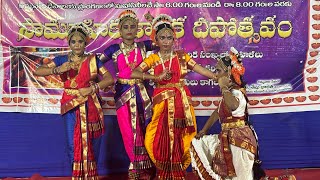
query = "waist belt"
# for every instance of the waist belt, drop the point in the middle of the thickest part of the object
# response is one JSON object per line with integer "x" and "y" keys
{"x": 74, "y": 92}
{"x": 237, "y": 124}
{"x": 171, "y": 85}
{"x": 130, "y": 81}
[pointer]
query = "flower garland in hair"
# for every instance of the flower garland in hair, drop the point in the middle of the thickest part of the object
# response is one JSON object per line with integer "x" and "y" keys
{"x": 155, "y": 22}
{"x": 80, "y": 29}
{"x": 127, "y": 14}
{"x": 160, "y": 19}
{"x": 237, "y": 69}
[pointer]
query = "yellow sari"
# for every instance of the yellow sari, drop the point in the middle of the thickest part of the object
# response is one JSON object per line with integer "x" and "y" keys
{"x": 173, "y": 124}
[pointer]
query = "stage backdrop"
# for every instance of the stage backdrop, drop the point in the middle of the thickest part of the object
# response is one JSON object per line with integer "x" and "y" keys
{"x": 278, "y": 42}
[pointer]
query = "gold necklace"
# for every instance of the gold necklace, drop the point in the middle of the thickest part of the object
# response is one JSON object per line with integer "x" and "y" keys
{"x": 169, "y": 74}
{"x": 74, "y": 64}
{"x": 126, "y": 53}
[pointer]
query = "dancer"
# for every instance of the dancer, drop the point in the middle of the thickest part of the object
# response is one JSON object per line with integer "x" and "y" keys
{"x": 232, "y": 153}
{"x": 133, "y": 104}
{"x": 173, "y": 124}
{"x": 80, "y": 103}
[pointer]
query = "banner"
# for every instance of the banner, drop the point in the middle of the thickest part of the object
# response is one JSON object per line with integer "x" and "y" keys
{"x": 278, "y": 41}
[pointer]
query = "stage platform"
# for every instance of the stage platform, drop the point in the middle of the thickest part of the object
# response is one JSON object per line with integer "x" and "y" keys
{"x": 300, "y": 174}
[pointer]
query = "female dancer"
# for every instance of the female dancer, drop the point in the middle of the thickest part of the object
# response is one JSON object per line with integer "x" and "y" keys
{"x": 173, "y": 124}
{"x": 80, "y": 103}
{"x": 232, "y": 153}
{"x": 133, "y": 104}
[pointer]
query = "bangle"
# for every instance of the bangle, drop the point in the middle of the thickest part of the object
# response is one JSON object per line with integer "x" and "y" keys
{"x": 56, "y": 71}
{"x": 98, "y": 86}
{"x": 93, "y": 87}
{"x": 59, "y": 70}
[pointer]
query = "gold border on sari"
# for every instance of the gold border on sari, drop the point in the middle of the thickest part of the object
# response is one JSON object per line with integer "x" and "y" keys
{"x": 142, "y": 48}
{"x": 146, "y": 101}
{"x": 187, "y": 110}
{"x": 243, "y": 144}
{"x": 98, "y": 106}
{"x": 227, "y": 156}
{"x": 94, "y": 126}
{"x": 78, "y": 166}
{"x": 93, "y": 67}
{"x": 133, "y": 114}
{"x": 85, "y": 166}
{"x": 172, "y": 85}
{"x": 125, "y": 97}
{"x": 183, "y": 65}
{"x": 139, "y": 150}
{"x": 51, "y": 64}
{"x": 142, "y": 164}
{"x": 86, "y": 178}
{"x": 163, "y": 96}
{"x": 115, "y": 60}
{"x": 84, "y": 137}
{"x": 80, "y": 100}
{"x": 103, "y": 70}
{"x": 242, "y": 141}
{"x": 191, "y": 63}
{"x": 229, "y": 125}
{"x": 144, "y": 66}
{"x": 72, "y": 92}
{"x": 165, "y": 166}
{"x": 72, "y": 104}
{"x": 158, "y": 62}
{"x": 129, "y": 81}
{"x": 130, "y": 95}
{"x": 92, "y": 166}
{"x": 103, "y": 58}
{"x": 204, "y": 173}
{"x": 171, "y": 122}
{"x": 179, "y": 123}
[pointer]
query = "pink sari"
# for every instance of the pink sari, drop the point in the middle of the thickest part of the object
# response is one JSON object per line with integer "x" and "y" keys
{"x": 133, "y": 109}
